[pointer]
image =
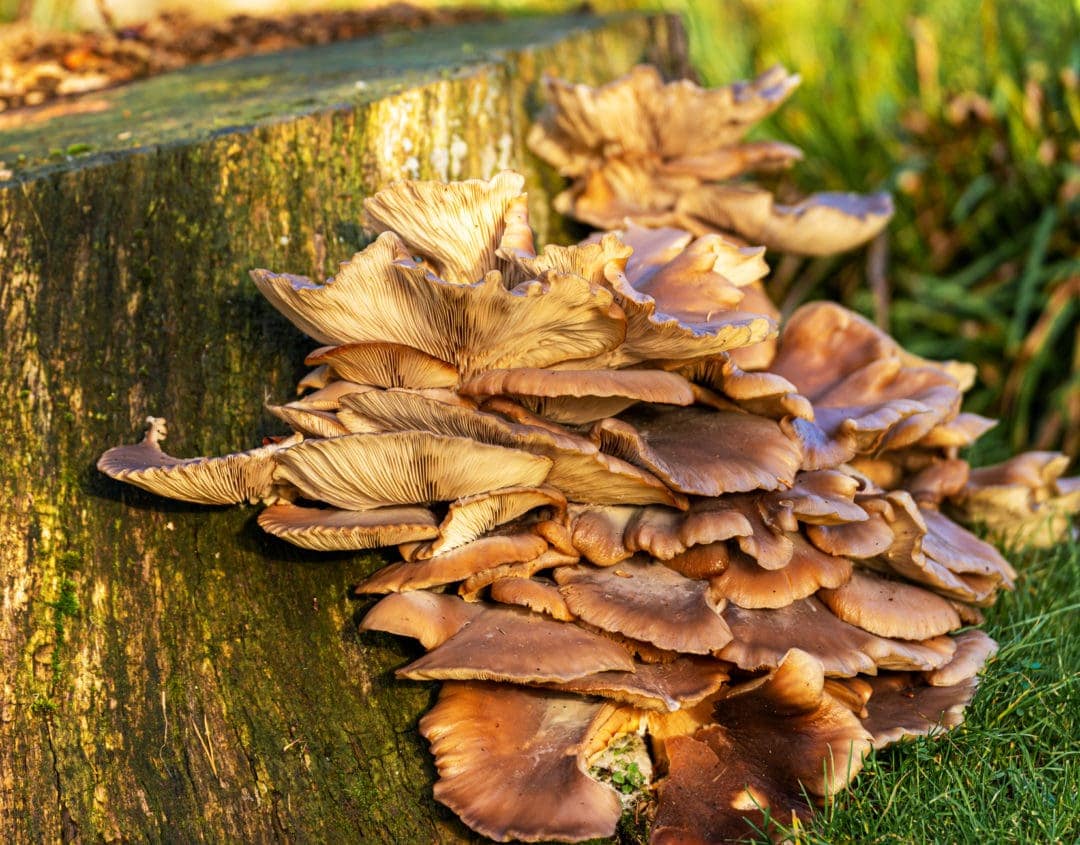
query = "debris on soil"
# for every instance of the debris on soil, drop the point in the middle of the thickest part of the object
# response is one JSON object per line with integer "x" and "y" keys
{"x": 38, "y": 67}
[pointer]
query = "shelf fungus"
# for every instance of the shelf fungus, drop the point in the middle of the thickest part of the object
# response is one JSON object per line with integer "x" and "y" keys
{"x": 623, "y": 508}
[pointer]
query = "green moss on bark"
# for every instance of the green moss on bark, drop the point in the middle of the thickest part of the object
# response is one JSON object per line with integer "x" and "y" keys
{"x": 167, "y": 671}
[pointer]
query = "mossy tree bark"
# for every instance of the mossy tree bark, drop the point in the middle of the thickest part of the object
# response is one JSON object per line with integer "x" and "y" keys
{"x": 167, "y": 672}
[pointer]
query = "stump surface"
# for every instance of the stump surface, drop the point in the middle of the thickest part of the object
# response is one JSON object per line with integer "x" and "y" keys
{"x": 168, "y": 672}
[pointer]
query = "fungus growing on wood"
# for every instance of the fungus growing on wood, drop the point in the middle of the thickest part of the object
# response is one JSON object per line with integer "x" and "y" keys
{"x": 664, "y": 155}
{"x": 653, "y": 518}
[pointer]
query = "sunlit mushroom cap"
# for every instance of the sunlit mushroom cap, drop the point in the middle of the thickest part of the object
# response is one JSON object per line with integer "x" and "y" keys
{"x": 646, "y": 601}
{"x": 701, "y": 451}
{"x": 233, "y": 479}
{"x": 511, "y": 762}
{"x": 360, "y": 471}
{"x": 762, "y": 637}
{"x": 890, "y": 608}
{"x": 658, "y": 154}
{"x": 775, "y": 740}
{"x": 1024, "y": 500}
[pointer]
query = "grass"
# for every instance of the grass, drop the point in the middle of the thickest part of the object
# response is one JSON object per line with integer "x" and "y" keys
{"x": 1011, "y": 773}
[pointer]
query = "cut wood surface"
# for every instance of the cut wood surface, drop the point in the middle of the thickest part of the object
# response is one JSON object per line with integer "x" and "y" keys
{"x": 168, "y": 672}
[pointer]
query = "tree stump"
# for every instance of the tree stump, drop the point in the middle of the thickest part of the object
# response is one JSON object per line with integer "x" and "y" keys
{"x": 168, "y": 672}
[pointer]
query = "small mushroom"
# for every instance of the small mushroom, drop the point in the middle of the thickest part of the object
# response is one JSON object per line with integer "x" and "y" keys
{"x": 748, "y": 585}
{"x": 455, "y": 565}
{"x": 385, "y": 365}
{"x": 233, "y": 479}
{"x": 901, "y": 707}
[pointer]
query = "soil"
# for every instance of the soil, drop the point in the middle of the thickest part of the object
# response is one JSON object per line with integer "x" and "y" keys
{"x": 39, "y": 67}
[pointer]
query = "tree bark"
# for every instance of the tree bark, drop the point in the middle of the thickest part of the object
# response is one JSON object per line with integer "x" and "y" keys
{"x": 168, "y": 672}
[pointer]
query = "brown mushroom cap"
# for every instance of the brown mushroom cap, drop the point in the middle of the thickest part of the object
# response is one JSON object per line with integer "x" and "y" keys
{"x": 901, "y": 707}
{"x": 431, "y": 618}
{"x": 332, "y": 530}
{"x": 538, "y": 595}
{"x": 890, "y": 608}
{"x": 825, "y": 497}
{"x": 763, "y": 637}
{"x": 385, "y": 365}
{"x": 598, "y": 532}
{"x": 670, "y": 686}
{"x": 511, "y": 762}
{"x": 456, "y": 565}
{"x": 310, "y": 423}
{"x": 646, "y": 601}
{"x": 360, "y": 471}
{"x": 973, "y": 649}
{"x": 551, "y": 559}
{"x": 229, "y": 480}
{"x": 821, "y": 224}
{"x": 701, "y": 451}
{"x": 638, "y": 385}
{"x": 776, "y": 739}
{"x": 513, "y": 645}
{"x": 748, "y": 585}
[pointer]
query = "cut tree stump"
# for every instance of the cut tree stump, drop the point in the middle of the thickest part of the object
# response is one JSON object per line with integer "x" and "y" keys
{"x": 168, "y": 672}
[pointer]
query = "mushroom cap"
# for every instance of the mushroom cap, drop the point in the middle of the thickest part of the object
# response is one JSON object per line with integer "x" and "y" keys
{"x": 310, "y": 423}
{"x": 763, "y": 637}
{"x": 551, "y": 559}
{"x": 598, "y": 532}
{"x": 638, "y": 385}
{"x": 646, "y": 601}
{"x": 1024, "y": 500}
{"x": 511, "y": 762}
{"x": 902, "y": 707}
{"x": 538, "y": 595}
{"x": 701, "y": 451}
{"x": 360, "y": 471}
{"x": 431, "y": 618}
{"x": 665, "y": 687}
{"x": 229, "y": 480}
{"x": 513, "y": 645}
{"x": 775, "y": 740}
{"x": 748, "y": 585}
{"x": 973, "y": 649}
{"x": 824, "y": 497}
{"x": 455, "y": 565}
{"x": 383, "y": 295}
{"x": 865, "y": 539}
{"x": 385, "y": 365}
{"x": 890, "y": 608}
{"x": 821, "y": 224}
{"x": 456, "y": 227}
{"x": 324, "y": 530}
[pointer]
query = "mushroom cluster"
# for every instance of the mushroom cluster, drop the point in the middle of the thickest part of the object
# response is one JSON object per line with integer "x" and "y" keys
{"x": 627, "y": 514}
{"x": 671, "y": 155}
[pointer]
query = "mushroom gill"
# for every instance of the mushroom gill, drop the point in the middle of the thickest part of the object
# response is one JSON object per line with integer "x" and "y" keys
{"x": 619, "y": 508}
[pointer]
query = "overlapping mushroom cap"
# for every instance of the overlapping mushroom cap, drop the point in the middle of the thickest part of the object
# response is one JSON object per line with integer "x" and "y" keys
{"x": 665, "y": 155}
{"x": 645, "y": 535}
